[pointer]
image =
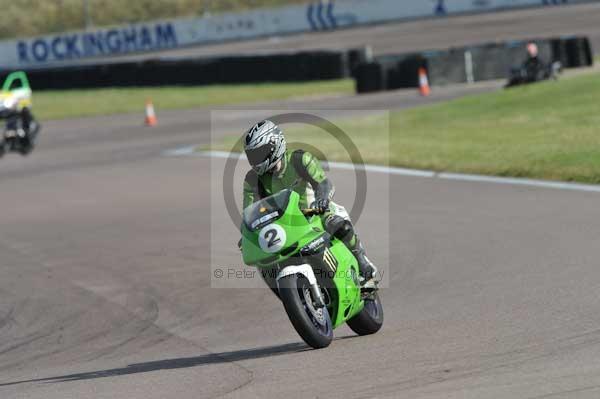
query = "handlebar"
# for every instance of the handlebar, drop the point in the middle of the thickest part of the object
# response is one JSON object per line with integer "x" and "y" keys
{"x": 312, "y": 212}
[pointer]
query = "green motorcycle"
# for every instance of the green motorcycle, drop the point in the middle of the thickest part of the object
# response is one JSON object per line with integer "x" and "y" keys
{"x": 313, "y": 273}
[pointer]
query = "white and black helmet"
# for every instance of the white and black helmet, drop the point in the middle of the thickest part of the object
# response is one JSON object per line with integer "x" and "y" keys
{"x": 265, "y": 145}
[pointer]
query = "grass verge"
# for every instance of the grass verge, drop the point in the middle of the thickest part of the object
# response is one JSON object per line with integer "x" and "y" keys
{"x": 62, "y": 104}
{"x": 547, "y": 131}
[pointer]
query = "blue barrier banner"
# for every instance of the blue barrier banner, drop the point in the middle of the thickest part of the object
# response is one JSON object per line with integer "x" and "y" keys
{"x": 320, "y": 15}
{"x": 91, "y": 44}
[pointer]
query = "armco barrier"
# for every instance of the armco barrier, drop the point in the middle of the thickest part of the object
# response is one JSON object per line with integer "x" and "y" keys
{"x": 303, "y": 66}
{"x": 469, "y": 64}
{"x": 444, "y": 67}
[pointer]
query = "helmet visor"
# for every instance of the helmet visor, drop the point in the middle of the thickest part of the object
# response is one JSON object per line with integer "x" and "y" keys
{"x": 259, "y": 155}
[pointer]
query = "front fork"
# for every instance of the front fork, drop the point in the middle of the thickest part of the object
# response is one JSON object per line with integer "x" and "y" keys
{"x": 307, "y": 271}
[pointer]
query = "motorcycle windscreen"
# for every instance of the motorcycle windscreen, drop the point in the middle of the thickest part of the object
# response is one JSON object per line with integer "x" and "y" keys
{"x": 266, "y": 211}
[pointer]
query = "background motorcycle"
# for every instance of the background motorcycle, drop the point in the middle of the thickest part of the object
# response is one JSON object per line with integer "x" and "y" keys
{"x": 14, "y": 137}
{"x": 15, "y": 107}
{"x": 519, "y": 75}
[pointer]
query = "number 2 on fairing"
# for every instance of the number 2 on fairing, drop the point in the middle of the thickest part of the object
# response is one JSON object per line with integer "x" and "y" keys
{"x": 271, "y": 238}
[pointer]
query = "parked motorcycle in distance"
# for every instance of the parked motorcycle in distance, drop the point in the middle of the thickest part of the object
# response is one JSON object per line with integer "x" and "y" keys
{"x": 520, "y": 75}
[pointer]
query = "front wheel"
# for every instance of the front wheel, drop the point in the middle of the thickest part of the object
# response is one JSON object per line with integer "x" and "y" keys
{"x": 312, "y": 324}
{"x": 370, "y": 319}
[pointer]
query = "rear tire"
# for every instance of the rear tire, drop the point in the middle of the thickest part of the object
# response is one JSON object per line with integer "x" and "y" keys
{"x": 315, "y": 329}
{"x": 370, "y": 319}
{"x": 25, "y": 149}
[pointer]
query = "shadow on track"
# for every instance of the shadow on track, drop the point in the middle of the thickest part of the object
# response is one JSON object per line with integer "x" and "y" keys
{"x": 169, "y": 364}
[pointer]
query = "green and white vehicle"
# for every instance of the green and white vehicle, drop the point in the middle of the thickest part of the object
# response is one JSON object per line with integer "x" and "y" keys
{"x": 316, "y": 275}
{"x": 15, "y": 107}
{"x": 15, "y": 94}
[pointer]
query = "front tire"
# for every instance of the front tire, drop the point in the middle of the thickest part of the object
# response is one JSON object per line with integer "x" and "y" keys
{"x": 313, "y": 325}
{"x": 370, "y": 319}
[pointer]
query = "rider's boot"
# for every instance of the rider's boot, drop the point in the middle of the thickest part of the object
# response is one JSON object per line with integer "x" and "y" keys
{"x": 368, "y": 271}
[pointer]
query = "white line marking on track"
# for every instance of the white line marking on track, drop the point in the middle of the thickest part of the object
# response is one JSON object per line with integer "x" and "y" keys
{"x": 178, "y": 152}
{"x": 520, "y": 182}
{"x": 192, "y": 151}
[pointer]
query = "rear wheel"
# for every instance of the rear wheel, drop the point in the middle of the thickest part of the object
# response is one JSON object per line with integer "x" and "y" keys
{"x": 370, "y": 319}
{"x": 312, "y": 324}
{"x": 25, "y": 148}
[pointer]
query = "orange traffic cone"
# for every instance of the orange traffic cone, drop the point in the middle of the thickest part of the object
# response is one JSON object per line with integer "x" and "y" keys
{"x": 150, "y": 115}
{"x": 424, "y": 82}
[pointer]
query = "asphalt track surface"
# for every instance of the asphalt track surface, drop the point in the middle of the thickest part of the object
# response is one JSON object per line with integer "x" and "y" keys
{"x": 424, "y": 34}
{"x": 107, "y": 248}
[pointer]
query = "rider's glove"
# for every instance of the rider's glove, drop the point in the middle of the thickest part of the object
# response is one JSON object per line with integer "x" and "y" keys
{"x": 321, "y": 205}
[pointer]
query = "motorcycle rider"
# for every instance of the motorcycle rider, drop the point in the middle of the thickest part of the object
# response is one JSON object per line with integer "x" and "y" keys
{"x": 275, "y": 168}
{"x": 533, "y": 65}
